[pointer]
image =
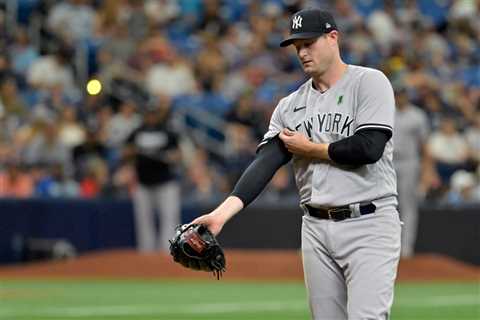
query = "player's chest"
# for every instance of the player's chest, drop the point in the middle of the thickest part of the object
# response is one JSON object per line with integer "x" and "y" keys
{"x": 322, "y": 116}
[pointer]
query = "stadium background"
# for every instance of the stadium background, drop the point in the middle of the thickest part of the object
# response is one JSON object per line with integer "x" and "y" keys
{"x": 217, "y": 66}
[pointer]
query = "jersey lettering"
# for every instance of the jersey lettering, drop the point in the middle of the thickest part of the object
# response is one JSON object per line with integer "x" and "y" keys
{"x": 308, "y": 124}
{"x": 327, "y": 122}
{"x": 346, "y": 125}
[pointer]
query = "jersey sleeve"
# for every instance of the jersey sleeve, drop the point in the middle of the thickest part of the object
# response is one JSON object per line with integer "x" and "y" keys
{"x": 276, "y": 125}
{"x": 376, "y": 103}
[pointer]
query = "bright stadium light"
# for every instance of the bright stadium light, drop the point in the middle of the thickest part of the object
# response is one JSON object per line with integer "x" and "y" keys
{"x": 94, "y": 87}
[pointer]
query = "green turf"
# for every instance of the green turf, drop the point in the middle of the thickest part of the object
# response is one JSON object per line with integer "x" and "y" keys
{"x": 128, "y": 300}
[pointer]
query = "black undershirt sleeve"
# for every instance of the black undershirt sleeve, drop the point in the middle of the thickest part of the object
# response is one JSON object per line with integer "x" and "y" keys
{"x": 364, "y": 147}
{"x": 270, "y": 157}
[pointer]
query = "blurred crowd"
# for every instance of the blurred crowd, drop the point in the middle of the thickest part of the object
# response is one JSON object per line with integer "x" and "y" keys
{"x": 220, "y": 57}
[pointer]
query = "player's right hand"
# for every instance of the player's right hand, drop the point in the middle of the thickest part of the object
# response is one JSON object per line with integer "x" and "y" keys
{"x": 213, "y": 221}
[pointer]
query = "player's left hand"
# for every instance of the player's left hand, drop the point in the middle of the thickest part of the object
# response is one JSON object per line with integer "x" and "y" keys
{"x": 296, "y": 142}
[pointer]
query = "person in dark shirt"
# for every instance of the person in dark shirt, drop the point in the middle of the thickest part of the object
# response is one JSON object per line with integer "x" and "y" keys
{"x": 92, "y": 149}
{"x": 155, "y": 150}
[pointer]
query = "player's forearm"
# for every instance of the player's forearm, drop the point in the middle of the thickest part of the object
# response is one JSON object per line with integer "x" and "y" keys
{"x": 269, "y": 159}
{"x": 228, "y": 208}
{"x": 319, "y": 151}
{"x": 364, "y": 147}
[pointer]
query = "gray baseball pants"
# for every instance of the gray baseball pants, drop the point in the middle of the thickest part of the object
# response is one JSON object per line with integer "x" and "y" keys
{"x": 163, "y": 199}
{"x": 350, "y": 266}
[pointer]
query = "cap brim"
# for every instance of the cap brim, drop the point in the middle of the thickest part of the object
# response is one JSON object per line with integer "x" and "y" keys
{"x": 299, "y": 36}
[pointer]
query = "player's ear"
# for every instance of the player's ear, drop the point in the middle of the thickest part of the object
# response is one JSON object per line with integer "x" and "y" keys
{"x": 334, "y": 38}
{"x": 333, "y": 35}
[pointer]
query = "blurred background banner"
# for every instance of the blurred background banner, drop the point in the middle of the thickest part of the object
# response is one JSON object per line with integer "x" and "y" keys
{"x": 93, "y": 225}
{"x": 80, "y": 79}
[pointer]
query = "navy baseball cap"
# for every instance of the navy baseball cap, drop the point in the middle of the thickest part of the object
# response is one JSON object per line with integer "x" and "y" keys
{"x": 309, "y": 23}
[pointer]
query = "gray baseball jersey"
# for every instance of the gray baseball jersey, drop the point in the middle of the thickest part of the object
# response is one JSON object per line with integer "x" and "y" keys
{"x": 363, "y": 98}
{"x": 411, "y": 131}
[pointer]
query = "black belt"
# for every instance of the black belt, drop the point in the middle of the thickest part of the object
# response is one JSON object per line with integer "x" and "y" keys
{"x": 339, "y": 213}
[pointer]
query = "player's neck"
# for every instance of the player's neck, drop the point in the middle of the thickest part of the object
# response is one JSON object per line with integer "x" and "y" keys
{"x": 326, "y": 80}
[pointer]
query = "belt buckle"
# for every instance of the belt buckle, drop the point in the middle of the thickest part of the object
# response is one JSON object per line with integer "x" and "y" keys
{"x": 334, "y": 213}
{"x": 329, "y": 212}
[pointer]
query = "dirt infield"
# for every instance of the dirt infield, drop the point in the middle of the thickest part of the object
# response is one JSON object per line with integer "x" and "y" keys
{"x": 253, "y": 265}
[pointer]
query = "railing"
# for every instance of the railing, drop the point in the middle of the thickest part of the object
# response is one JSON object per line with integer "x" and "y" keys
{"x": 204, "y": 128}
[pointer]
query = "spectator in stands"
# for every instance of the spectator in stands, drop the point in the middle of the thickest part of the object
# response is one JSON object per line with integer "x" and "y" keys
{"x": 472, "y": 135}
{"x": 203, "y": 181}
{"x": 241, "y": 136}
{"x": 6, "y": 151}
{"x": 22, "y": 53}
{"x": 15, "y": 181}
{"x": 160, "y": 12}
{"x": 122, "y": 124}
{"x": 72, "y": 20}
{"x": 84, "y": 155}
{"x": 382, "y": 25}
{"x": 163, "y": 78}
{"x": 113, "y": 57}
{"x": 449, "y": 149}
{"x": 155, "y": 150}
{"x": 124, "y": 179}
{"x": 52, "y": 71}
{"x": 346, "y": 16}
{"x": 464, "y": 188}
{"x": 101, "y": 119}
{"x": 109, "y": 18}
{"x": 46, "y": 147}
{"x": 245, "y": 114}
{"x": 51, "y": 182}
{"x": 209, "y": 62}
{"x": 70, "y": 131}
{"x": 212, "y": 21}
{"x": 95, "y": 181}
{"x": 137, "y": 21}
{"x": 13, "y": 105}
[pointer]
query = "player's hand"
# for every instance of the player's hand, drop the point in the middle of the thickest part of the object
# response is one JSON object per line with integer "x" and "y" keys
{"x": 296, "y": 142}
{"x": 216, "y": 219}
{"x": 213, "y": 221}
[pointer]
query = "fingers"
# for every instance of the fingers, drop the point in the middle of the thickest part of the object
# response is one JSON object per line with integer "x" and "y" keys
{"x": 288, "y": 132}
{"x": 206, "y": 220}
{"x": 199, "y": 220}
{"x": 285, "y": 134}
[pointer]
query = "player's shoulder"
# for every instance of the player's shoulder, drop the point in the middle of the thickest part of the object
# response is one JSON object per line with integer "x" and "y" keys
{"x": 367, "y": 73}
{"x": 296, "y": 95}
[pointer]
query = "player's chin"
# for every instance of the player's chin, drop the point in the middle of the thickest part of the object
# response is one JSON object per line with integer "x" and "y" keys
{"x": 308, "y": 68}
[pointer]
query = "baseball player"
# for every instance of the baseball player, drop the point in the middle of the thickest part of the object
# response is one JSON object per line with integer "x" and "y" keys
{"x": 410, "y": 137}
{"x": 156, "y": 152}
{"x": 336, "y": 128}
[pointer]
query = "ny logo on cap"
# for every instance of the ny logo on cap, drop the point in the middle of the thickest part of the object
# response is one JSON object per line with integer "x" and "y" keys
{"x": 297, "y": 22}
